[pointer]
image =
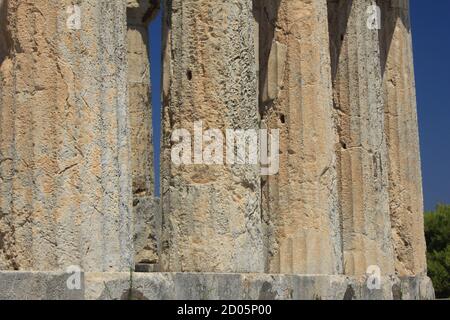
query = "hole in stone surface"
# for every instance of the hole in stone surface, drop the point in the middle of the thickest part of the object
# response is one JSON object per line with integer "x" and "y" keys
{"x": 282, "y": 118}
{"x": 189, "y": 75}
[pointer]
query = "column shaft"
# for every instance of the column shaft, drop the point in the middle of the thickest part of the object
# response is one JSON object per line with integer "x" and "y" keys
{"x": 300, "y": 203}
{"x": 146, "y": 209}
{"x": 65, "y": 189}
{"x": 362, "y": 153}
{"x": 211, "y": 213}
{"x": 405, "y": 179}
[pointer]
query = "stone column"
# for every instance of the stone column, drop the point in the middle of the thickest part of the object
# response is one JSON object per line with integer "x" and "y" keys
{"x": 301, "y": 202}
{"x": 362, "y": 152}
{"x": 146, "y": 209}
{"x": 65, "y": 188}
{"x": 211, "y": 212}
{"x": 405, "y": 179}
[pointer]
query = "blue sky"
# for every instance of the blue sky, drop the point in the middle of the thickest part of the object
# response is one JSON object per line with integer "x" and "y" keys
{"x": 431, "y": 38}
{"x": 431, "y": 35}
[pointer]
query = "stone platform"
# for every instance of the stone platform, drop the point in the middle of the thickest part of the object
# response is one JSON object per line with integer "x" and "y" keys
{"x": 207, "y": 286}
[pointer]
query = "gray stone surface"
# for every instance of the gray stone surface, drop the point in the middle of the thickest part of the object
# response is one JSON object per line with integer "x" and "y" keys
{"x": 15, "y": 285}
{"x": 147, "y": 230}
{"x": 209, "y": 286}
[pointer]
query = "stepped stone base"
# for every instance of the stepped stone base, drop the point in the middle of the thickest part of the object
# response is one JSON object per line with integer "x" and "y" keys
{"x": 206, "y": 286}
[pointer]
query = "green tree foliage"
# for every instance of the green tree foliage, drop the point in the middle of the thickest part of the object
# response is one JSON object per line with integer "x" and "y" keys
{"x": 437, "y": 233}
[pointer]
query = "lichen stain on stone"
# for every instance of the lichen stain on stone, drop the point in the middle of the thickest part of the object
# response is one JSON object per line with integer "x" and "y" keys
{"x": 350, "y": 293}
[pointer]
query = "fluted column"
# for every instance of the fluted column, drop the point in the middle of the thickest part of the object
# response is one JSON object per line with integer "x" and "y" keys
{"x": 65, "y": 189}
{"x": 146, "y": 209}
{"x": 301, "y": 202}
{"x": 211, "y": 213}
{"x": 362, "y": 152}
{"x": 405, "y": 178}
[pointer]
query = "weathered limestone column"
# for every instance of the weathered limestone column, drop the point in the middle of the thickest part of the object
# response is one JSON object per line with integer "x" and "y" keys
{"x": 146, "y": 209}
{"x": 65, "y": 188}
{"x": 362, "y": 152}
{"x": 211, "y": 213}
{"x": 405, "y": 178}
{"x": 301, "y": 202}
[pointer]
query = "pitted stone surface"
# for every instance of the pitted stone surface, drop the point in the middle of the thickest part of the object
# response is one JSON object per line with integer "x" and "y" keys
{"x": 211, "y": 213}
{"x": 65, "y": 183}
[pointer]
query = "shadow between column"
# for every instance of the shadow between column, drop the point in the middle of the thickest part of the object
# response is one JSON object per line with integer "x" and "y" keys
{"x": 392, "y": 12}
{"x": 5, "y": 38}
